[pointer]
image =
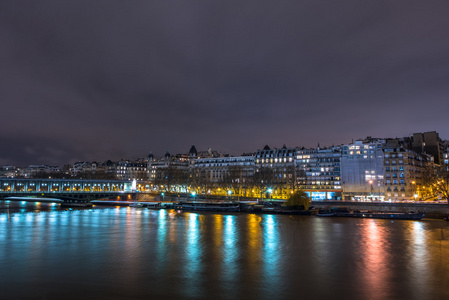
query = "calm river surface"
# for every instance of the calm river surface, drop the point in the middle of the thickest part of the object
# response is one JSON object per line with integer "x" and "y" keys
{"x": 132, "y": 253}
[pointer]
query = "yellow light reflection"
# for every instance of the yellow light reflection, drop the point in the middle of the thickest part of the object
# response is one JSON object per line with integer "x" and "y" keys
{"x": 218, "y": 230}
{"x": 254, "y": 240}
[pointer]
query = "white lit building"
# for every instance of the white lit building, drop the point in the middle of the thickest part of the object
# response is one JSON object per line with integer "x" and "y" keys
{"x": 362, "y": 170}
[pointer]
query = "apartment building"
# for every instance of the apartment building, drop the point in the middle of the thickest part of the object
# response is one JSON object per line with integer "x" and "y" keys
{"x": 318, "y": 172}
{"x": 405, "y": 170}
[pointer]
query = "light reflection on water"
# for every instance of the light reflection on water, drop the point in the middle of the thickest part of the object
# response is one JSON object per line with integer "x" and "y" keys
{"x": 230, "y": 250}
{"x": 270, "y": 257}
{"x": 193, "y": 257}
{"x": 374, "y": 262}
{"x": 121, "y": 253}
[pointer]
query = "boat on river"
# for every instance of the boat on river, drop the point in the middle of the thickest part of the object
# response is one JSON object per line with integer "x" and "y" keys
{"x": 323, "y": 214}
{"x": 372, "y": 215}
{"x": 207, "y": 206}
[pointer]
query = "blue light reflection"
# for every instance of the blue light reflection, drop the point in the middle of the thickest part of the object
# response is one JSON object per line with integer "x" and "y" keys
{"x": 193, "y": 253}
{"x": 270, "y": 256}
{"x": 230, "y": 249}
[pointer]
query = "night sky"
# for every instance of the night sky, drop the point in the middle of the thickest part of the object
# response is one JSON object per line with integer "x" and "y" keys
{"x": 98, "y": 80}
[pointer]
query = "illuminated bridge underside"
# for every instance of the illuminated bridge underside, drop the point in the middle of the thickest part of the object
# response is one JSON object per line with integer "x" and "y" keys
{"x": 70, "y": 191}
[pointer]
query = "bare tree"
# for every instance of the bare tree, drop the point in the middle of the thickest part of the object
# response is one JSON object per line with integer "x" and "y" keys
{"x": 263, "y": 179}
{"x": 233, "y": 180}
{"x": 170, "y": 178}
{"x": 200, "y": 182}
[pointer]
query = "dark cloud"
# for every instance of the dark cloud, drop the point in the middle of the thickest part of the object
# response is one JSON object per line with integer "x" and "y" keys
{"x": 117, "y": 79}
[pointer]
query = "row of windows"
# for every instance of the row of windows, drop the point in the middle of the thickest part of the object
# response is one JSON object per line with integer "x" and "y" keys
{"x": 393, "y": 155}
{"x": 401, "y": 168}
{"x": 394, "y": 162}
{"x": 271, "y": 160}
{"x": 394, "y": 175}
{"x": 396, "y": 189}
{"x": 272, "y": 155}
{"x": 401, "y": 182}
{"x": 360, "y": 157}
{"x": 395, "y": 195}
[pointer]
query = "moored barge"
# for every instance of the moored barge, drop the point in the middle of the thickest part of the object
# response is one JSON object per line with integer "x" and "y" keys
{"x": 207, "y": 206}
{"x": 373, "y": 215}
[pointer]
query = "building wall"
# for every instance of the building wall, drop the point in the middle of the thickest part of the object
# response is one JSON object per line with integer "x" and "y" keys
{"x": 282, "y": 164}
{"x": 430, "y": 143}
{"x": 216, "y": 169}
{"x": 362, "y": 170}
{"x": 319, "y": 172}
{"x": 404, "y": 172}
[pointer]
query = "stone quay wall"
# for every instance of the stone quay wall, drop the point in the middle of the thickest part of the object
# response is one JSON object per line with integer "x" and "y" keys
{"x": 434, "y": 210}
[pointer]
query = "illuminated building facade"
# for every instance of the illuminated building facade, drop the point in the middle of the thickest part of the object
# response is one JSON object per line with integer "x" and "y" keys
{"x": 159, "y": 168}
{"x": 222, "y": 175}
{"x": 132, "y": 170}
{"x": 362, "y": 170}
{"x": 405, "y": 171}
{"x": 318, "y": 172}
{"x": 279, "y": 168}
{"x": 217, "y": 169}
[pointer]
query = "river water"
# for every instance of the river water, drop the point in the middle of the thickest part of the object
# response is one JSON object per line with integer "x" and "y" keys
{"x": 134, "y": 253}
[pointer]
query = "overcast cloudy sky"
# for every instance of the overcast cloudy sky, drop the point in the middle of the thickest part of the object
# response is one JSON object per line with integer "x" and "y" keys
{"x": 98, "y": 80}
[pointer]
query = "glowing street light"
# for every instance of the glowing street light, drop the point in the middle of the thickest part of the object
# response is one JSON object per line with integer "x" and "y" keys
{"x": 414, "y": 190}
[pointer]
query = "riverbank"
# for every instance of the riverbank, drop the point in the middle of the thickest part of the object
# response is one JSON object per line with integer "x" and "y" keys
{"x": 432, "y": 211}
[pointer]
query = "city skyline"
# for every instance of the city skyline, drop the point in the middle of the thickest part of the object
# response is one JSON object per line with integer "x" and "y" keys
{"x": 85, "y": 81}
{"x": 202, "y": 152}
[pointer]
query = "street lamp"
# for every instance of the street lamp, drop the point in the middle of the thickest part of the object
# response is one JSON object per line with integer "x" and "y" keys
{"x": 229, "y": 193}
{"x": 372, "y": 189}
{"x": 193, "y": 195}
{"x": 270, "y": 190}
{"x": 415, "y": 194}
